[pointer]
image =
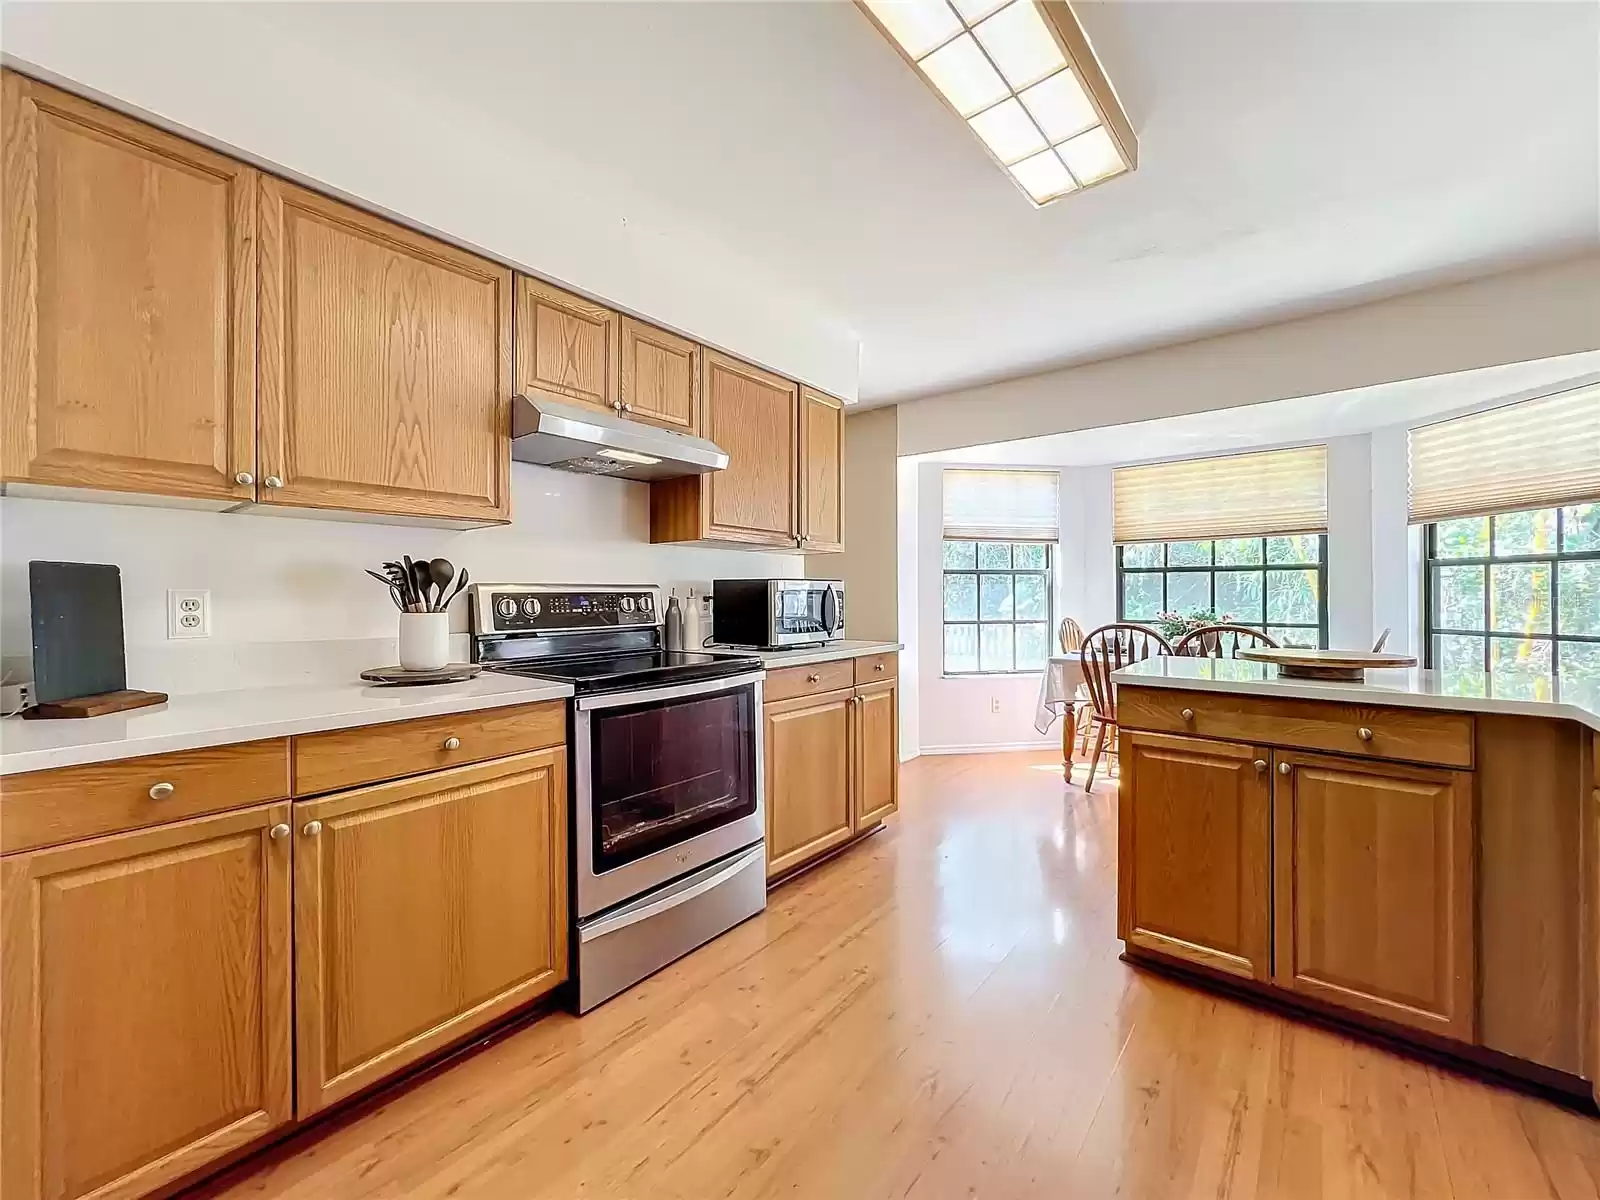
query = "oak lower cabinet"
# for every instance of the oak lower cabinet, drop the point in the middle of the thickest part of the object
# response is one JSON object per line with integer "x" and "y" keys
{"x": 127, "y": 361}
{"x": 1374, "y": 889}
{"x": 1194, "y": 852}
{"x": 424, "y": 909}
{"x": 385, "y": 366}
{"x": 875, "y": 753}
{"x": 146, "y": 1028}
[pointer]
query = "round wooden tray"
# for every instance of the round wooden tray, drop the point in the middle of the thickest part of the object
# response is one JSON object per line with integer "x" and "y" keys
{"x": 1347, "y": 665}
{"x": 451, "y": 673}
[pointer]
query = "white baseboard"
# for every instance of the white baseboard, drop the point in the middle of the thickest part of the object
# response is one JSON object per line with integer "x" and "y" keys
{"x": 993, "y": 748}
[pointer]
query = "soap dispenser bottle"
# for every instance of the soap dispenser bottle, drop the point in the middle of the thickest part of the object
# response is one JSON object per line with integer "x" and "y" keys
{"x": 673, "y": 619}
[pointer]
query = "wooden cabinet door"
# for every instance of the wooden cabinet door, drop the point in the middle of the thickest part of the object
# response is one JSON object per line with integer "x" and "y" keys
{"x": 1373, "y": 907}
{"x": 128, "y": 360}
{"x": 424, "y": 909}
{"x": 1193, "y": 866}
{"x": 751, "y": 414}
{"x": 385, "y": 365}
{"x": 821, "y": 471}
{"x": 566, "y": 345}
{"x": 660, "y": 377}
{"x": 146, "y": 1014}
{"x": 808, "y": 778}
{"x": 876, "y": 751}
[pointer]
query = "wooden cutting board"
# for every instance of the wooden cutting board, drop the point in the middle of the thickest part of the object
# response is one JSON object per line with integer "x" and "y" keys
{"x": 1348, "y": 665}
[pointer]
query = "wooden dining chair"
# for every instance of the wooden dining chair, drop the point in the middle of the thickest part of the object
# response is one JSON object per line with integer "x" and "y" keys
{"x": 1070, "y": 635}
{"x": 1104, "y": 650}
{"x": 1221, "y": 641}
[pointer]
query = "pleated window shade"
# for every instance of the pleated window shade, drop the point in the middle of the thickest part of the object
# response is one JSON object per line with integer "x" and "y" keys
{"x": 1240, "y": 495}
{"x": 1532, "y": 454}
{"x": 1002, "y": 506}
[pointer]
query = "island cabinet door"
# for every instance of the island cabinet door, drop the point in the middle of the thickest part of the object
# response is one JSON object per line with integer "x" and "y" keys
{"x": 1374, "y": 889}
{"x": 808, "y": 778}
{"x": 1194, "y": 852}
{"x": 424, "y": 909}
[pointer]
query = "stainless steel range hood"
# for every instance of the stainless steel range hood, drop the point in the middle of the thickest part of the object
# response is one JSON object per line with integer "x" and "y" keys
{"x": 551, "y": 433}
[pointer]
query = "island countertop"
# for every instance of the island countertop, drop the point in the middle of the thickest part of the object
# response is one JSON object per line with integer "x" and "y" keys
{"x": 1561, "y": 698}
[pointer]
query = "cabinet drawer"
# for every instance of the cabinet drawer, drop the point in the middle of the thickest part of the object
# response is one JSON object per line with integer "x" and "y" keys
{"x": 47, "y": 808}
{"x": 875, "y": 668}
{"x": 324, "y": 762}
{"x": 812, "y": 680}
{"x": 1401, "y": 734}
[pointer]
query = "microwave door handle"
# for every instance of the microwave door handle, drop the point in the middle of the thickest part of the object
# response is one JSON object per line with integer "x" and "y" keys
{"x": 830, "y": 610}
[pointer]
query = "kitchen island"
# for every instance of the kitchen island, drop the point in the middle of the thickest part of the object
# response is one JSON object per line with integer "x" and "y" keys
{"x": 1414, "y": 855}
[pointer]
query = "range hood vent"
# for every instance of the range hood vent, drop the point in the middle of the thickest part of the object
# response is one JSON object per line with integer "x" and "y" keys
{"x": 568, "y": 437}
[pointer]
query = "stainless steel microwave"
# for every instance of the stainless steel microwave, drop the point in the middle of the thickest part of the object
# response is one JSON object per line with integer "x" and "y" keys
{"x": 771, "y": 613}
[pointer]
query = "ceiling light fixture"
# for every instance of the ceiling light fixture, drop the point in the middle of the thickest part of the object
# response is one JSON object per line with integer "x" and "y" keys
{"x": 1023, "y": 76}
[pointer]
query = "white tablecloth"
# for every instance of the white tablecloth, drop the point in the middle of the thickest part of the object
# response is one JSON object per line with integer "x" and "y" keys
{"x": 1059, "y": 687}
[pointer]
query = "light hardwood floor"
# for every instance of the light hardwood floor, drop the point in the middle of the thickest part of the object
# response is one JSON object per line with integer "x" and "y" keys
{"x": 940, "y": 1012}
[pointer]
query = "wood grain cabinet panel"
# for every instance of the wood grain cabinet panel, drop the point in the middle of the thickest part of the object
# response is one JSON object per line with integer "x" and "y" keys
{"x": 424, "y": 910}
{"x": 875, "y": 750}
{"x": 128, "y": 325}
{"x": 809, "y": 779}
{"x": 146, "y": 1015}
{"x": 821, "y": 471}
{"x": 660, "y": 377}
{"x": 566, "y": 345}
{"x": 1374, "y": 889}
{"x": 752, "y": 414}
{"x": 385, "y": 365}
{"x": 1194, "y": 878}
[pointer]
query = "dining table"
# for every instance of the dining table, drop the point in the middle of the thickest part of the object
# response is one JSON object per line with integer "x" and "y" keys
{"x": 1059, "y": 698}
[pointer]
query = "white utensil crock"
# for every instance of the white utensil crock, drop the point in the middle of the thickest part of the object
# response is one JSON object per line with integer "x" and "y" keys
{"x": 424, "y": 641}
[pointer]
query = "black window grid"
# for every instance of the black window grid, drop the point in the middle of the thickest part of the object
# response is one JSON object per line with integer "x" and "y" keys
{"x": 980, "y": 621}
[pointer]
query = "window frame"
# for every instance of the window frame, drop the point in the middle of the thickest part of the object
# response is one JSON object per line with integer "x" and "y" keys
{"x": 1431, "y": 563}
{"x": 1048, "y": 571}
{"x": 1123, "y": 571}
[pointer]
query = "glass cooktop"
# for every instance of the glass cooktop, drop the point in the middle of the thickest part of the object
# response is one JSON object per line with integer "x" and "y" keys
{"x": 637, "y": 669}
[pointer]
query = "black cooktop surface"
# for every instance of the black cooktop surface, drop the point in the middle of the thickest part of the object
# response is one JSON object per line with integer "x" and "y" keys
{"x": 635, "y": 669}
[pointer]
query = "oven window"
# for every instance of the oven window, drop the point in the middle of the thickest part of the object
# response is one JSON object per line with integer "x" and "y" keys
{"x": 668, "y": 771}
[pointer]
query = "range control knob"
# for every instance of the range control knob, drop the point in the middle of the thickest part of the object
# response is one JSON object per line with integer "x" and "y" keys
{"x": 627, "y": 604}
{"x": 645, "y": 603}
{"x": 506, "y": 606}
{"x": 530, "y": 607}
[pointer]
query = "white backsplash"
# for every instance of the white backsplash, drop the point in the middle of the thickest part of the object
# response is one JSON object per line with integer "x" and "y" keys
{"x": 289, "y": 600}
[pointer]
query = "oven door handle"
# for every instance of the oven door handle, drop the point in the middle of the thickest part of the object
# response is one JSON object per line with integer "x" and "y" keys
{"x": 632, "y": 916}
{"x": 726, "y": 683}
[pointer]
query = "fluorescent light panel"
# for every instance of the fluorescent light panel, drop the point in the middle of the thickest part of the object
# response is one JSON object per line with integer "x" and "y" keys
{"x": 1000, "y": 66}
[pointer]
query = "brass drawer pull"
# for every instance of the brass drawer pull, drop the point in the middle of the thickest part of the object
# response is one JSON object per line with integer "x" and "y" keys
{"x": 878, "y": 667}
{"x": 452, "y": 743}
{"x": 161, "y": 791}
{"x": 813, "y": 678}
{"x": 1187, "y": 714}
{"x": 1364, "y": 734}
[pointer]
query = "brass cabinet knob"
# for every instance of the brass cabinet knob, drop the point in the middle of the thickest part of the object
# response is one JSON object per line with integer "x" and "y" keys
{"x": 1261, "y": 764}
{"x": 878, "y": 668}
{"x": 1284, "y": 768}
{"x": 1187, "y": 714}
{"x": 452, "y": 743}
{"x": 278, "y": 832}
{"x": 244, "y": 479}
{"x": 1364, "y": 734}
{"x": 813, "y": 678}
{"x": 160, "y": 791}
{"x": 312, "y": 828}
{"x": 627, "y": 408}
{"x": 273, "y": 481}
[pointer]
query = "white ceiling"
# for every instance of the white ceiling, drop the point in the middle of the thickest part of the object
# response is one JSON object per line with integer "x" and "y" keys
{"x": 1294, "y": 157}
{"x": 1283, "y": 422}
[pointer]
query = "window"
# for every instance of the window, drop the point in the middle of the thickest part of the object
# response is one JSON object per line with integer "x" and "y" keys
{"x": 1276, "y": 584}
{"x": 997, "y": 607}
{"x": 1517, "y": 593}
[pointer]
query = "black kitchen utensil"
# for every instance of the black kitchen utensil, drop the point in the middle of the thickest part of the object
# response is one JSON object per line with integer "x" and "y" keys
{"x": 442, "y": 571}
{"x": 420, "y": 579}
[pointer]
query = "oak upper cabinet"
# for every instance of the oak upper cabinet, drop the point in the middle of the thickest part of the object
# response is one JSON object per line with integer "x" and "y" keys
{"x": 660, "y": 377}
{"x": 424, "y": 909}
{"x": 385, "y": 365}
{"x": 753, "y": 415}
{"x": 1374, "y": 906}
{"x": 809, "y": 778}
{"x": 875, "y": 754}
{"x": 1194, "y": 853}
{"x": 128, "y": 361}
{"x": 821, "y": 471}
{"x": 567, "y": 346}
{"x": 146, "y": 1021}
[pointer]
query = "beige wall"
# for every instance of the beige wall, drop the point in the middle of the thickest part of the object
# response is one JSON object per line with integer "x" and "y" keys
{"x": 1539, "y": 312}
{"x": 868, "y": 564}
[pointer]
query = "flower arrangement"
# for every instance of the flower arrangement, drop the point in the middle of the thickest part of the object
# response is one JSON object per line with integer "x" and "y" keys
{"x": 1172, "y": 624}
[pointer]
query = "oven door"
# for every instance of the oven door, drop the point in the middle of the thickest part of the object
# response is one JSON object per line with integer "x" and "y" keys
{"x": 805, "y": 612}
{"x": 666, "y": 780}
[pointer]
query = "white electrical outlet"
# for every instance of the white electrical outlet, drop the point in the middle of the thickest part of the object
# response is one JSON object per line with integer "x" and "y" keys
{"x": 188, "y": 614}
{"x": 994, "y": 704}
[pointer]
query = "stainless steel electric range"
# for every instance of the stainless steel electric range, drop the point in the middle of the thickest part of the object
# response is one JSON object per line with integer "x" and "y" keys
{"x": 668, "y": 821}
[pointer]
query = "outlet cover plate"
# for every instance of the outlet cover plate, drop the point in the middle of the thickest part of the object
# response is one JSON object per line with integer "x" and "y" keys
{"x": 188, "y": 613}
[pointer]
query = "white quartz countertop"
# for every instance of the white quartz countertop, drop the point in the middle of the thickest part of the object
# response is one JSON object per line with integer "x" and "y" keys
{"x": 1517, "y": 693}
{"x": 218, "y": 718}
{"x": 804, "y": 656}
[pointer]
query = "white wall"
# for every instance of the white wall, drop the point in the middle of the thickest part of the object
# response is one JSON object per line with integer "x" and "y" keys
{"x": 286, "y": 592}
{"x": 327, "y": 114}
